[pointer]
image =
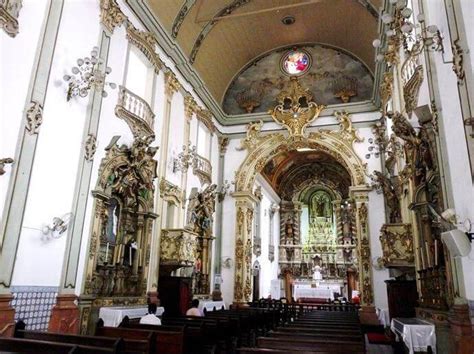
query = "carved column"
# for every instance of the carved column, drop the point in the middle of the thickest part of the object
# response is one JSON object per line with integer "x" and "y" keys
{"x": 190, "y": 108}
{"x": 25, "y": 156}
{"x": 360, "y": 194}
{"x": 171, "y": 87}
{"x": 244, "y": 206}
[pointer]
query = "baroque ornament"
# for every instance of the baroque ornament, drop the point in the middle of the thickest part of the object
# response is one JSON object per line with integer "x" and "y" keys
{"x": 34, "y": 117}
{"x": 147, "y": 43}
{"x": 110, "y": 15}
{"x": 296, "y": 108}
{"x": 458, "y": 60}
{"x": 4, "y": 162}
{"x": 90, "y": 147}
{"x": 172, "y": 84}
{"x": 9, "y": 12}
{"x": 397, "y": 245}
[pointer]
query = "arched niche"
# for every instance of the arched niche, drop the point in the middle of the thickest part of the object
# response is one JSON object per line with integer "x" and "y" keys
{"x": 119, "y": 247}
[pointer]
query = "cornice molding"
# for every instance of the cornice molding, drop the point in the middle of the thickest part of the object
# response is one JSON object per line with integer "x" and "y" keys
{"x": 176, "y": 54}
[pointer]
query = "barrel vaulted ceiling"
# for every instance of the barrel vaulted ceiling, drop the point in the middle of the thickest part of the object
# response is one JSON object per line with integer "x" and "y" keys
{"x": 219, "y": 37}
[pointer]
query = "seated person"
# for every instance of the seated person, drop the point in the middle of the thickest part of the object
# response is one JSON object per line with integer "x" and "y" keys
{"x": 151, "y": 318}
{"x": 194, "y": 311}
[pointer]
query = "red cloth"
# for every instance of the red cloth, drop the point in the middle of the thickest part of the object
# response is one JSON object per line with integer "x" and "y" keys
{"x": 378, "y": 338}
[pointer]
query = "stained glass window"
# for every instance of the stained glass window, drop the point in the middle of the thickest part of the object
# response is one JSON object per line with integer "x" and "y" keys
{"x": 296, "y": 62}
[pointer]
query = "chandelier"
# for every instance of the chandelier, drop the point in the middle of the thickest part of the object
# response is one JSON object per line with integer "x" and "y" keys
{"x": 185, "y": 158}
{"x": 87, "y": 75}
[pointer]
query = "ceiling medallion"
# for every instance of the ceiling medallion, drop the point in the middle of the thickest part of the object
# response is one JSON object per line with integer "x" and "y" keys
{"x": 296, "y": 108}
{"x": 296, "y": 62}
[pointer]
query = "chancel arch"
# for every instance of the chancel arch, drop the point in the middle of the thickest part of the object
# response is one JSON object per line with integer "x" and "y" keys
{"x": 294, "y": 165}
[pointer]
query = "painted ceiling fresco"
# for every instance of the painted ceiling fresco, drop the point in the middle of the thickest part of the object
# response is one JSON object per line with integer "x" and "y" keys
{"x": 334, "y": 77}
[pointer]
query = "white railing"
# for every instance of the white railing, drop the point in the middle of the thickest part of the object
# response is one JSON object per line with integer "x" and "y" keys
{"x": 410, "y": 68}
{"x": 136, "y": 106}
{"x": 202, "y": 168}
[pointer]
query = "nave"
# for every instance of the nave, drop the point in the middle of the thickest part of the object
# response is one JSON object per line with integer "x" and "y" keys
{"x": 263, "y": 327}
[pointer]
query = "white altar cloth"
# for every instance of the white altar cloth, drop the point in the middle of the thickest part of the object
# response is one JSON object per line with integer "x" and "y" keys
{"x": 417, "y": 334}
{"x": 383, "y": 317}
{"x": 314, "y": 293}
{"x": 112, "y": 316}
{"x": 209, "y": 305}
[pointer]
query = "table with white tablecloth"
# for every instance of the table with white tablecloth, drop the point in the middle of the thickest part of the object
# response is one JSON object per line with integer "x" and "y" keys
{"x": 415, "y": 333}
{"x": 313, "y": 293}
{"x": 383, "y": 316}
{"x": 112, "y": 316}
{"x": 210, "y": 305}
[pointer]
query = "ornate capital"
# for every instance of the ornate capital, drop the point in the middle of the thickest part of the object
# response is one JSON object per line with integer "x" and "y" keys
{"x": 190, "y": 106}
{"x": 147, "y": 43}
{"x": 34, "y": 117}
{"x": 223, "y": 142}
{"x": 9, "y": 11}
{"x": 172, "y": 84}
{"x": 110, "y": 15}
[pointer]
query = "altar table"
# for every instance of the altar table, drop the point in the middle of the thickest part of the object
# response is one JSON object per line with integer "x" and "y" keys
{"x": 209, "y": 305}
{"x": 112, "y": 316}
{"x": 315, "y": 293}
{"x": 415, "y": 333}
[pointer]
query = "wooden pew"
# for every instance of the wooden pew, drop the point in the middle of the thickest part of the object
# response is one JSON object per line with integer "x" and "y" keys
{"x": 311, "y": 344}
{"x": 169, "y": 339}
{"x": 136, "y": 341}
{"x": 20, "y": 345}
{"x": 200, "y": 334}
{"x": 285, "y": 351}
{"x": 115, "y": 344}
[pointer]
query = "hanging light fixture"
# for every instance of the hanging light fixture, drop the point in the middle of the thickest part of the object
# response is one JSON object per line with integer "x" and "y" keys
{"x": 88, "y": 74}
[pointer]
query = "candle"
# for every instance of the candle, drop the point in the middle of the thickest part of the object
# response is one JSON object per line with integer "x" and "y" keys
{"x": 428, "y": 258}
{"x": 436, "y": 252}
{"x": 107, "y": 253}
{"x": 422, "y": 257}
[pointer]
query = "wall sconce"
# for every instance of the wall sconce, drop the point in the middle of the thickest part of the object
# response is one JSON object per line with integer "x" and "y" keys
{"x": 57, "y": 228}
{"x": 222, "y": 191}
{"x": 400, "y": 29}
{"x": 87, "y": 75}
{"x": 185, "y": 158}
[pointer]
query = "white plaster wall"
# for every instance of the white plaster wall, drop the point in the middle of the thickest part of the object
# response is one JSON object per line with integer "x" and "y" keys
{"x": 18, "y": 52}
{"x": 52, "y": 182}
{"x": 175, "y": 137}
{"x": 268, "y": 269}
{"x": 452, "y": 131}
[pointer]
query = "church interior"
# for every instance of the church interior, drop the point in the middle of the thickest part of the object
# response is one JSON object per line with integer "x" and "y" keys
{"x": 285, "y": 176}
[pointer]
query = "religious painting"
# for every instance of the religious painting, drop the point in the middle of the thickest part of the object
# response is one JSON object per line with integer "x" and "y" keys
{"x": 296, "y": 62}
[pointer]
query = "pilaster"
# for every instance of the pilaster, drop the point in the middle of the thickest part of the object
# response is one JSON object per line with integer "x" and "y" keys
{"x": 25, "y": 156}
{"x": 360, "y": 194}
{"x": 244, "y": 206}
{"x": 171, "y": 87}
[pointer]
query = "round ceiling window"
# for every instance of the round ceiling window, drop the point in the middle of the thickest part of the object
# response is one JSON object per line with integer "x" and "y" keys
{"x": 295, "y": 62}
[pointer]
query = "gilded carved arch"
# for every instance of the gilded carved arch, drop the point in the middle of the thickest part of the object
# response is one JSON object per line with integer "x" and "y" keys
{"x": 267, "y": 147}
{"x": 338, "y": 144}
